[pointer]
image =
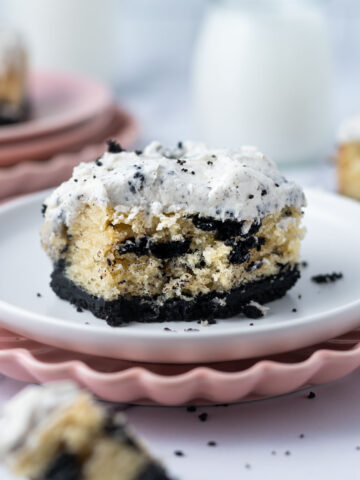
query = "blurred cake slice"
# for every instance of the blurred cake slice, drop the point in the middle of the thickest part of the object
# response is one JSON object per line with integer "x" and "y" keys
{"x": 184, "y": 234}
{"x": 58, "y": 432}
{"x": 348, "y": 158}
{"x": 13, "y": 78}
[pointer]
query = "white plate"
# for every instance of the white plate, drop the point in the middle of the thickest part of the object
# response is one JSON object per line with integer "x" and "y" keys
{"x": 324, "y": 311}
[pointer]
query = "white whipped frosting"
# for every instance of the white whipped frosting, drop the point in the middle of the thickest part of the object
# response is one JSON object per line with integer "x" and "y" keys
{"x": 30, "y": 409}
{"x": 12, "y": 50}
{"x": 349, "y": 130}
{"x": 238, "y": 184}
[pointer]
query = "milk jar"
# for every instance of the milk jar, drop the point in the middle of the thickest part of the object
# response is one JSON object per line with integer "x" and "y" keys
{"x": 262, "y": 75}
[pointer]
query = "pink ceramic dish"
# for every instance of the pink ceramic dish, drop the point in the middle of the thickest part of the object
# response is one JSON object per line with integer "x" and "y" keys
{"x": 69, "y": 140}
{"x": 31, "y": 176}
{"x": 227, "y": 382}
{"x": 58, "y": 101}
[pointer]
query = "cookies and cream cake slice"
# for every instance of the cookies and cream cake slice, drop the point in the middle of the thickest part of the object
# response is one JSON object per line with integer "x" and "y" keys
{"x": 348, "y": 158}
{"x": 58, "y": 432}
{"x": 182, "y": 234}
{"x": 13, "y": 78}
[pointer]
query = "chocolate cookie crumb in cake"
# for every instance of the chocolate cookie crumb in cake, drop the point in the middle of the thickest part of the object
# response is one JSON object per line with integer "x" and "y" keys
{"x": 183, "y": 234}
{"x": 58, "y": 432}
{"x": 13, "y": 78}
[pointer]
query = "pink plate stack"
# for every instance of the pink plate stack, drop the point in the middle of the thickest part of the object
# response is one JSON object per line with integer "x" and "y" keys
{"x": 69, "y": 115}
{"x": 165, "y": 384}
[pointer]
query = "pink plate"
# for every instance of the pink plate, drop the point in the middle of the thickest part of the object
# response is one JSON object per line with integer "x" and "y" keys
{"x": 42, "y": 148}
{"x": 31, "y": 176}
{"x": 58, "y": 101}
{"x": 227, "y": 382}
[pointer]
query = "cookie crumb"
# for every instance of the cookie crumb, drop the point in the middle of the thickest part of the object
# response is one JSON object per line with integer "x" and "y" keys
{"x": 114, "y": 147}
{"x": 327, "y": 277}
{"x": 203, "y": 417}
{"x": 191, "y": 408}
{"x": 254, "y": 310}
{"x": 43, "y": 209}
{"x": 179, "y": 453}
{"x": 311, "y": 395}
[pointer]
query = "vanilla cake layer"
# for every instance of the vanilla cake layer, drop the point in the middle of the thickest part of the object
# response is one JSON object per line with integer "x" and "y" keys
{"x": 348, "y": 164}
{"x": 64, "y": 434}
{"x": 172, "y": 252}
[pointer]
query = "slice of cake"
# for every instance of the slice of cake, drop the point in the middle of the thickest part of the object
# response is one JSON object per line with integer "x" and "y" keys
{"x": 13, "y": 78}
{"x": 348, "y": 158}
{"x": 183, "y": 234}
{"x": 58, "y": 432}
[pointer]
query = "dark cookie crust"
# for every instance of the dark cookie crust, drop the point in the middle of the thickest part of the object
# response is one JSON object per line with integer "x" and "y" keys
{"x": 204, "y": 307}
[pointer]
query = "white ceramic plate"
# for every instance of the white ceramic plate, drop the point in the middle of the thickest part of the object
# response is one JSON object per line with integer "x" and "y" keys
{"x": 323, "y": 311}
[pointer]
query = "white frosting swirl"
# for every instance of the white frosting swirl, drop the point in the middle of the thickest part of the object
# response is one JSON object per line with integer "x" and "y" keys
{"x": 238, "y": 184}
{"x": 349, "y": 130}
{"x": 21, "y": 418}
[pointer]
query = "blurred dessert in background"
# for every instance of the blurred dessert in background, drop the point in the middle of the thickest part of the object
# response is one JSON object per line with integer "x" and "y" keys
{"x": 14, "y": 105}
{"x": 58, "y": 432}
{"x": 348, "y": 158}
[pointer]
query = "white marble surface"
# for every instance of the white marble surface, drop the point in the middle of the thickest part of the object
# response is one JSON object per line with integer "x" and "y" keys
{"x": 248, "y": 433}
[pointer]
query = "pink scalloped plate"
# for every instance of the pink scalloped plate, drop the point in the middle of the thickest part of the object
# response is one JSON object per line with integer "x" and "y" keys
{"x": 58, "y": 101}
{"x": 69, "y": 140}
{"x": 26, "y": 177}
{"x": 226, "y": 382}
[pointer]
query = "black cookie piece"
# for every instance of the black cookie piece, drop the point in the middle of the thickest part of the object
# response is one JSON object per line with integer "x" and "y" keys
{"x": 65, "y": 467}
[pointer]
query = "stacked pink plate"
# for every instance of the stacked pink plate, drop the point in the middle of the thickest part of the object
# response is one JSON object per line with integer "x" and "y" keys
{"x": 68, "y": 114}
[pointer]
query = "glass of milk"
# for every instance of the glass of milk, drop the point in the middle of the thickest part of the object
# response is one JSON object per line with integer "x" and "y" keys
{"x": 262, "y": 75}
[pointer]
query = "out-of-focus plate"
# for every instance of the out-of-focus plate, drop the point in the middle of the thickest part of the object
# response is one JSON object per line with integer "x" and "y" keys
{"x": 322, "y": 312}
{"x": 31, "y": 176}
{"x": 58, "y": 101}
{"x": 43, "y": 148}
